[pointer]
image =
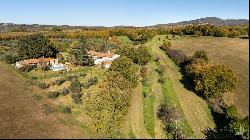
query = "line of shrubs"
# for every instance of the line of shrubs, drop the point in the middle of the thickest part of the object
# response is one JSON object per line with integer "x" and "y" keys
{"x": 170, "y": 116}
{"x": 55, "y": 94}
{"x": 211, "y": 82}
{"x": 75, "y": 87}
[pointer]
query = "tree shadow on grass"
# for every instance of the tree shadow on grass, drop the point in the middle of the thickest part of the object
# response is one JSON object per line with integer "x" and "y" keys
{"x": 211, "y": 133}
{"x": 221, "y": 130}
{"x": 185, "y": 80}
{"x": 187, "y": 83}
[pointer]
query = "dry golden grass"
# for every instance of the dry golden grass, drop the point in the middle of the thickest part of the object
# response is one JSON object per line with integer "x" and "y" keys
{"x": 21, "y": 116}
{"x": 230, "y": 51}
{"x": 195, "y": 109}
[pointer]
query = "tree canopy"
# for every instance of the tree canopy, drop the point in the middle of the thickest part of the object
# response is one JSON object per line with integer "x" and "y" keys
{"x": 79, "y": 56}
{"x": 127, "y": 69}
{"x": 35, "y": 46}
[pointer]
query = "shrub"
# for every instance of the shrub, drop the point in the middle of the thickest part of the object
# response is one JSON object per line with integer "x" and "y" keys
{"x": 240, "y": 125}
{"x": 141, "y": 56}
{"x": 217, "y": 105}
{"x": 31, "y": 81}
{"x": 82, "y": 74}
{"x": 166, "y": 45}
{"x": 162, "y": 80}
{"x": 91, "y": 81}
{"x": 76, "y": 98}
{"x": 201, "y": 55}
{"x": 43, "y": 85}
{"x": 67, "y": 109}
{"x": 47, "y": 109}
{"x": 35, "y": 46}
{"x": 221, "y": 32}
{"x": 64, "y": 92}
{"x": 127, "y": 69}
{"x": 231, "y": 112}
{"x": 214, "y": 82}
{"x": 236, "y": 124}
{"x": 109, "y": 107}
{"x": 37, "y": 97}
{"x": 79, "y": 56}
{"x": 160, "y": 70}
{"x": 75, "y": 86}
{"x": 53, "y": 95}
{"x": 143, "y": 72}
{"x": 26, "y": 68}
{"x": 71, "y": 77}
{"x": 234, "y": 34}
{"x": 10, "y": 58}
{"x": 157, "y": 60}
{"x": 145, "y": 82}
{"x": 178, "y": 133}
{"x": 177, "y": 56}
{"x": 168, "y": 114}
{"x": 60, "y": 81}
{"x": 211, "y": 81}
{"x": 45, "y": 68}
{"x": 138, "y": 55}
{"x": 198, "y": 33}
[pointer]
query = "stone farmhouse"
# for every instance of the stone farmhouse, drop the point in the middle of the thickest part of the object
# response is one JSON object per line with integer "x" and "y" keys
{"x": 103, "y": 59}
{"x": 36, "y": 62}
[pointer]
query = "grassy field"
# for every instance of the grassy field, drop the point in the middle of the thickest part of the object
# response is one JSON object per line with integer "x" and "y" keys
{"x": 230, "y": 51}
{"x": 194, "y": 108}
{"x": 141, "y": 121}
{"x": 22, "y": 115}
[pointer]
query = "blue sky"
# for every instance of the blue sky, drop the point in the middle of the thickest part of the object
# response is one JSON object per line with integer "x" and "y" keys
{"x": 118, "y": 12}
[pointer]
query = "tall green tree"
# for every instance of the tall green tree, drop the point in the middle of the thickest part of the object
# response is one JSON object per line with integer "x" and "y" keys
{"x": 80, "y": 56}
{"x": 109, "y": 107}
{"x": 36, "y": 46}
{"x": 127, "y": 69}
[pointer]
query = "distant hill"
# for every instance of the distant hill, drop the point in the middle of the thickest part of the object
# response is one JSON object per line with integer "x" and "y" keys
{"x": 5, "y": 27}
{"x": 210, "y": 20}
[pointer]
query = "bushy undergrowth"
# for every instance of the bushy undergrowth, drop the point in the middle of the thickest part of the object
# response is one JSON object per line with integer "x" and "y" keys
{"x": 53, "y": 95}
{"x": 90, "y": 82}
{"x": 43, "y": 85}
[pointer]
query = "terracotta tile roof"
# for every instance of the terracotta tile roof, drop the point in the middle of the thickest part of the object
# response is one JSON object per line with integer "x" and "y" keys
{"x": 35, "y": 61}
{"x": 106, "y": 63}
{"x": 44, "y": 60}
{"x": 100, "y": 55}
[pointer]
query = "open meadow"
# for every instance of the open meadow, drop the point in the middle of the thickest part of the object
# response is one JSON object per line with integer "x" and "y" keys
{"x": 221, "y": 50}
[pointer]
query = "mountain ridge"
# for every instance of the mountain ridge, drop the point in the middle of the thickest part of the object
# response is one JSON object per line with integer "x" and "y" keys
{"x": 206, "y": 20}
{"x": 210, "y": 20}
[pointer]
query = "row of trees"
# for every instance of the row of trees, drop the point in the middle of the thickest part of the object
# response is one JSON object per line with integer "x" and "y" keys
{"x": 211, "y": 81}
{"x": 211, "y": 30}
{"x": 109, "y": 107}
{"x": 143, "y": 34}
{"x": 140, "y": 35}
{"x": 33, "y": 46}
{"x": 138, "y": 55}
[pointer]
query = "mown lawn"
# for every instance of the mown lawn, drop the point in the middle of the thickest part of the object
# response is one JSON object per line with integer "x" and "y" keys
{"x": 148, "y": 109}
{"x": 195, "y": 110}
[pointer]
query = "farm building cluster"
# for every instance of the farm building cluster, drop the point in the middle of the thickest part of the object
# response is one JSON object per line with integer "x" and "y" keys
{"x": 52, "y": 62}
{"x": 103, "y": 59}
{"x": 100, "y": 59}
